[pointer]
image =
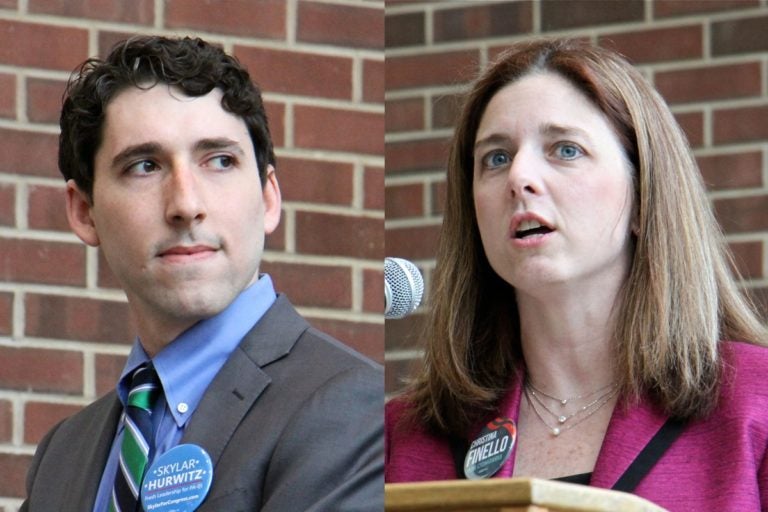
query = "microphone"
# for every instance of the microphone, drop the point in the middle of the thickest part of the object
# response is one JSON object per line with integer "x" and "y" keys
{"x": 403, "y": 287}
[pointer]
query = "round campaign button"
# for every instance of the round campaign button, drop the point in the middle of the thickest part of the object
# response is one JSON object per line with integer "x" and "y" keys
{"x": 178, "y": 480}
{"x": 491, "y": 449}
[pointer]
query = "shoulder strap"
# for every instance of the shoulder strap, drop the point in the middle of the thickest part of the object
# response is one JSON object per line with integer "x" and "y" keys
{"x": 650, "y": 455}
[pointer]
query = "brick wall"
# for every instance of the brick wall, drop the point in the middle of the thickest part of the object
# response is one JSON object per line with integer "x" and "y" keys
{"x": 64, "y": 324}
{"x": 708, "y": 58}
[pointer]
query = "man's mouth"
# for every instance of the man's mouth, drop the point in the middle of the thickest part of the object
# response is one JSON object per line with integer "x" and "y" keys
{"x": 181, "y": 250}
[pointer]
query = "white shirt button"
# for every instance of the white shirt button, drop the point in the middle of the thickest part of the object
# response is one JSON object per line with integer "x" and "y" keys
{"x": 182, "y": 407}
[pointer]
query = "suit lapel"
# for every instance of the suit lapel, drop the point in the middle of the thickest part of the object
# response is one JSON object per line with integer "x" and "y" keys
{"x": 92, "y": 455}
{"x": 629, "y": 431}
{"x": 242, "y": 380}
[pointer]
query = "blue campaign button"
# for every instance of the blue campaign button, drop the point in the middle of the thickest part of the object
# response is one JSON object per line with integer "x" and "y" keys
{"x": 178, "y": 480}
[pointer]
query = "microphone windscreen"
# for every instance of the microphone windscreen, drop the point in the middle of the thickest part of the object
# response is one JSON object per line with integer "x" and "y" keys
{"x": 403, "y": 287}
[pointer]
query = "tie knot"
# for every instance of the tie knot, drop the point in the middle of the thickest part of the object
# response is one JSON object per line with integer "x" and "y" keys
{"x": 145, "y": 388}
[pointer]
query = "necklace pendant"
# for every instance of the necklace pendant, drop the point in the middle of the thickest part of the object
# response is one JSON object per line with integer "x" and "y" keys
{"x": 555, "y": 431}
{"x": 563, "y": 401}
{"x": 561, "y": 419}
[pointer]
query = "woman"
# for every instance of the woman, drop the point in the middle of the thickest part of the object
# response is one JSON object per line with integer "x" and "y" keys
{"x": 583, "y": 291}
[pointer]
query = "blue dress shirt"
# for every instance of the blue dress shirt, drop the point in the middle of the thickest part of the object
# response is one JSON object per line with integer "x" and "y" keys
{"x": 186, "y": 367}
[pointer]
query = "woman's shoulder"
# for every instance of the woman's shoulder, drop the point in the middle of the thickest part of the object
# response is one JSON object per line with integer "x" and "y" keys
{"x": 745, "y": 366}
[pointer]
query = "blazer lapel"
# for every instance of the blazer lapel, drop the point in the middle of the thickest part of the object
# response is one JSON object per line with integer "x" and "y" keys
{"x": 629, "y": 431}
{"x": 92, "y": 456}
{"x": 242, "y": 380}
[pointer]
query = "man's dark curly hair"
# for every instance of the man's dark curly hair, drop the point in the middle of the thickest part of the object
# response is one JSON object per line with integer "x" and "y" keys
{"x": 192, "y": 65}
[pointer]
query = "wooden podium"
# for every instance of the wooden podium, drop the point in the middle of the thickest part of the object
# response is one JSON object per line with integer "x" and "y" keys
{"x": 509, "y": 495}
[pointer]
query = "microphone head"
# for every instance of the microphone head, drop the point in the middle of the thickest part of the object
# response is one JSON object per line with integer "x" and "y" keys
{"x": 403, "y": 287}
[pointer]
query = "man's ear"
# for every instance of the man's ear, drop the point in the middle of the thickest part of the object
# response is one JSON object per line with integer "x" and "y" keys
{"x": 272, "y": 201}
{"x": 79, "y": 207}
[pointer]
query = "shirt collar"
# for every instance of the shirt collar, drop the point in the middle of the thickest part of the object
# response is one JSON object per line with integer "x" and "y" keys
{"x": 188, "y": 364}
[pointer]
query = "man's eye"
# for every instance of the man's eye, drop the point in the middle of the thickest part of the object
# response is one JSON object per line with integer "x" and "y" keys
{"x": 495, "y": 159}
{"x": 222, "y": 162}
{"x": 143, "y": 167}
{"x": 568, "y": 151}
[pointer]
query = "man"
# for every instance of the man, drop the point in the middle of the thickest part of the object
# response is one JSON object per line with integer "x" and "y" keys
{"x": 170, "y": 171}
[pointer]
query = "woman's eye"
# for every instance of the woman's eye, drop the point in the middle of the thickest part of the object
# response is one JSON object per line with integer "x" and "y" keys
{"x": 495, "y": 159}
{"x": 568, "y": 151}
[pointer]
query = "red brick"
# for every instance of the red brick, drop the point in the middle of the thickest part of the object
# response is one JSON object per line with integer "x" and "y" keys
{"x": 107, "y": 39}
{"x": 740, "y": 124}
{"x": 341, "y": 25}
{"x": 312, "y": 285}
{"x": 710, "y": 83}
{"x": 740, "y": 36}
{"x": 6, "y": 313}
{"x": 276, "y": 119}
{"x": 406, "y": 29}
{"x": 6, "y": 421}
{"x": 7, "y": 204}
{"x": 732, "y": 170}
{"x": 483, "y": 21}
{"x": 47, "y": 208}
{"x": 405, "y": 333}
{"x": 424, "y": 70}
{"x": 404, "y": 201}
{"x": 13, "y": 474}
{"x": 743, "y": 214}
{"x": 41, "y": 370}
{"x": 40, "y": 417}
{"x": 413, "y": 243}
{"x": 692, "y": 124}
{"x": 10, "y": 4}
{"x": 276, "y": 240}
{"x": 108, "y": 369}
{"x": 29, "y": 152}
{"x": 748, "y": 257}
{"x": 42, "y": 46}
{"x": 74, "y": 318}
{"x": 238, "y": 17}
{"x": 34, "y": 261}
{"x": 373, "y": 81}
{"x": 404, "y": 115}
{"x": 315, "y": 181}
{"x": 439, "y": 191}
{"x": 306, "y": 74}
{"x": 8, "y": 98}
{"x": 445, "y": 110}
{"x": 140, "y": 12}
{"x": 366, "y": 338}
{"x": 44, "y": 100}
{"x": 373, "y": 187}
{"x": 564, "y": 14}
{"x": 416, "y": 155}
{"x": 339, "y": 130}
{"x": 667, "y": 8}
{"x": 673, "y": 43}
{"x": 373, "y": 291}
{"x": 339, "y": 235}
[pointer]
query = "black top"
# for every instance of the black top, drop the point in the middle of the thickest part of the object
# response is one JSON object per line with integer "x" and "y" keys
{"x": 581, "y": 478}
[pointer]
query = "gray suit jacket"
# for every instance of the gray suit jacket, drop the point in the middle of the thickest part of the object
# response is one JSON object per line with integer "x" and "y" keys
{"x": 292, "y": 422}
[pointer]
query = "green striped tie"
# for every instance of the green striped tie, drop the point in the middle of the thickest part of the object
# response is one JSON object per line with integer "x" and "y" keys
{"x": 136, "y": 446}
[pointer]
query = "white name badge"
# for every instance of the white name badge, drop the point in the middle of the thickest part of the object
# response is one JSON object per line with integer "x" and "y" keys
{"x": 178, "y": 480}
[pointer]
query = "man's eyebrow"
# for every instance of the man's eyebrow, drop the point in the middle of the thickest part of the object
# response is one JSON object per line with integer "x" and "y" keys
{"x": 219, "y": 143}
{"x": 134, "y": 151}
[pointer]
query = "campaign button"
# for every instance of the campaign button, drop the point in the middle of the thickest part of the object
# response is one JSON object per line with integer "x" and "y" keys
{"x": 178, "y": 480}
{"x": 490, "y": 449}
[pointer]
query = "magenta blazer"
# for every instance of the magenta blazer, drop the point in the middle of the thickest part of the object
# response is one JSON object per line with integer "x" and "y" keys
{"x": 717, "y": 464}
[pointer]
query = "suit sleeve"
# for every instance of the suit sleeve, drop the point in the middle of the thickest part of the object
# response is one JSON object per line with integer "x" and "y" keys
{"x": 331, "y": 455}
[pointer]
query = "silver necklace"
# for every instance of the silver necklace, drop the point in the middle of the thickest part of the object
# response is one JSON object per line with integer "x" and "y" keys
{"x": 557, "y": 430}
{"x": 564, "y": 401}
{"x": 562, "y": 418}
